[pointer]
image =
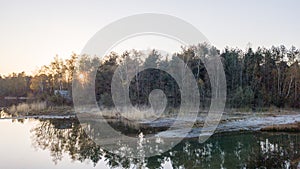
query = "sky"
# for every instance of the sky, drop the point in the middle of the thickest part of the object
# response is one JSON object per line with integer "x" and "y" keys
{"x": 32, "y": 33}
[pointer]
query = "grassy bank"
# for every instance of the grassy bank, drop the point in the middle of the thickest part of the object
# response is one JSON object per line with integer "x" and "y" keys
{"x": 292, "y": 127}
{"x": 38, "y": 108}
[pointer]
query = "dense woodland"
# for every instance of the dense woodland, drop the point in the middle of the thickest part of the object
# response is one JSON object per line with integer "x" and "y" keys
{"x": 255, "y": 79}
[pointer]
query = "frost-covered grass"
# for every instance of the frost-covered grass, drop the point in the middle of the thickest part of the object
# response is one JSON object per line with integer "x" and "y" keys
{"x": 135, "y": 113}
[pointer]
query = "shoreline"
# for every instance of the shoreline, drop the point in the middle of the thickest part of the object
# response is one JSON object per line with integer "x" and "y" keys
{"x": 230, "y": 122}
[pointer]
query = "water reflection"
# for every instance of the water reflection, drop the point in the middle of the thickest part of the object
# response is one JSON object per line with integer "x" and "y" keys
{"x": 61, "y": 136}
{"x": 232, "y": 150}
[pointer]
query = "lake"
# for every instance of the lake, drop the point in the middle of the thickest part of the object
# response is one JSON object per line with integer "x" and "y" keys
{"x": 62, "y": 143}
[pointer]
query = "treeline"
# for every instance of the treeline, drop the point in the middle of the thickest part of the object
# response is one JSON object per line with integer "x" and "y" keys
{"x": 15, "y": 85}
{"x": 262, "y": 78}
{"x": 255, "y": 78}
{"x": 41, "y": 86}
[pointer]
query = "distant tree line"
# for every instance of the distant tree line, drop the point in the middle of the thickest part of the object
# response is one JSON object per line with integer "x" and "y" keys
{"x": 255, "y": 78}
{"x": 57, "y": 75}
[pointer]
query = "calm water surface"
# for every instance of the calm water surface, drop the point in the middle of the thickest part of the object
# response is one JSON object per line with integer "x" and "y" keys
{"x": 61, "y": 143}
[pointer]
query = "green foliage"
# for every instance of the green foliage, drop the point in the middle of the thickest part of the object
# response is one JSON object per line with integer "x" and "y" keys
{"x": 243, "y": 97}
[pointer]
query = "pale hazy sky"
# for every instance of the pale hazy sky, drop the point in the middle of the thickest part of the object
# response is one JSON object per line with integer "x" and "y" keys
{"x": 33, "y": 32}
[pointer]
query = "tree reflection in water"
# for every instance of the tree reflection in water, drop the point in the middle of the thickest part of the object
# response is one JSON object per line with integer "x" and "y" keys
{"x": 66, "y": 136}
{"x": 232, "y": 150}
